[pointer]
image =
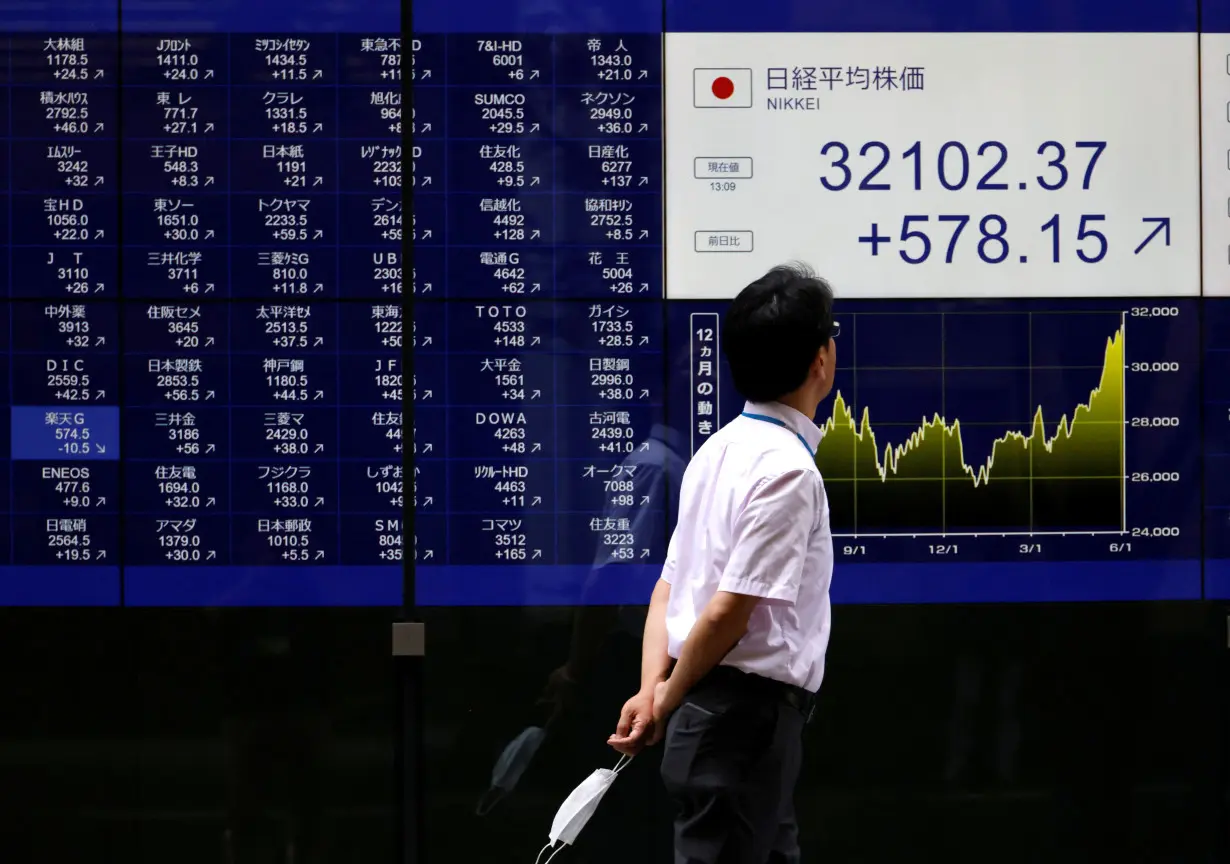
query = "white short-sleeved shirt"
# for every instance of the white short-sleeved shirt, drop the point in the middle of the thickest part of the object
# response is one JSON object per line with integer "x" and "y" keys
{"x": 754, "y": 519}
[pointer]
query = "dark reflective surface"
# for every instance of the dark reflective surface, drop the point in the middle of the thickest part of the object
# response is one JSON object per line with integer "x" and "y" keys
{"x": 1022, "y": 733}
{"x": 189, "y": 736}
{"x": 1031, "y": 734}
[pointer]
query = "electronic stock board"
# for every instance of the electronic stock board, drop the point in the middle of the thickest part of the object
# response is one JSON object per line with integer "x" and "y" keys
{"x": 202, "y": 339}
{"x": 1023, "y": 209}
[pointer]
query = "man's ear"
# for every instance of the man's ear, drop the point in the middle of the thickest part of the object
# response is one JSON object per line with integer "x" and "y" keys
{"x": 820, "y": 364}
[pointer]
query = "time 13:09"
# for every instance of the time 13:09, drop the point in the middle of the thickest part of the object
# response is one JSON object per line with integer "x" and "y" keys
{"x": 955, "y": 168}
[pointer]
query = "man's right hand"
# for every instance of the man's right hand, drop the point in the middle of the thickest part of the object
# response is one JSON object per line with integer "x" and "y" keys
{"x": 635, "y": 728}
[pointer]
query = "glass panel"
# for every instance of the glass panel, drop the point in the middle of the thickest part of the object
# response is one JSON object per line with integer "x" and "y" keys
{"x": 594, "y": 182}
{"x": 202, "y": 339}
{"x": 1008, "y": 733}
{"x": 234, "y": 736}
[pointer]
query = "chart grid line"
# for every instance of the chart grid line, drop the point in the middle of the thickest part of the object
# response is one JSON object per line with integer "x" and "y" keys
{"x": 1065, "y": 446}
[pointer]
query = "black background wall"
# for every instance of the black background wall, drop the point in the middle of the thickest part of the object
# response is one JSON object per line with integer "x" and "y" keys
{"x": 197, "y": 736}
{"x": 1006, "y": 733}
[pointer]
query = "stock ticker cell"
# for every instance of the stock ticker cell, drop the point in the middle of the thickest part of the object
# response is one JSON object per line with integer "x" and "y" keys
{"x": 506, "y": 114}
{"x": 479, "y": 61}
{"x": 638, "y": 163}
{"x": 618, "y": 273}
{"x": 306, "y": 328}
{"x": 263, "y": 168}
{"x": 371, "y": 328}
{"x": 205, "y": 113}
{"x": 367, "y": 223}
{"x": 529, "y": 222}
{"x": 527, "y": 169}
{"x": 631, "y": 222}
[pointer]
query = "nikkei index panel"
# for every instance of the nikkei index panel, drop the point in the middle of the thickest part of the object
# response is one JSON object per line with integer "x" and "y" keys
{"x": 1014, "y": 242}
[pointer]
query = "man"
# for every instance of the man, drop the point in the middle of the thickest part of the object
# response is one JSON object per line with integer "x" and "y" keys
{"x": 738, "y": 624}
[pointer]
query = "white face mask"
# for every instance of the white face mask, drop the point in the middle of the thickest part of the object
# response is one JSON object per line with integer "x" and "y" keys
{"x": 512, "y": 763}
{"x": 579, "y": 806}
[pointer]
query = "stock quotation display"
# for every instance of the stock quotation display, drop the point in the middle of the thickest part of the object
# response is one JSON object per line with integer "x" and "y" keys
{"x": 202, "y": 334}
{"x": 1024, "y": 211}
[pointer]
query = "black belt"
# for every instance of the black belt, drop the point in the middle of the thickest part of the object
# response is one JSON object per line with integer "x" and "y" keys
{"x": 803, "y": 701}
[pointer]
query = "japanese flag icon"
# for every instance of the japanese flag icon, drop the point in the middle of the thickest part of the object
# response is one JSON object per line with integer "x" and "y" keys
{"x": 722, "y": 88}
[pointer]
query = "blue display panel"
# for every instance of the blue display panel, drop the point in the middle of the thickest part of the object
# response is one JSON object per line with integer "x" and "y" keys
{"x": 934, "y": 16}
{"x": 1053, "y": 392}
{"x": 204, "y": 318}
{"x": 1214, "y": 16}
{"x": 499, "y": 19}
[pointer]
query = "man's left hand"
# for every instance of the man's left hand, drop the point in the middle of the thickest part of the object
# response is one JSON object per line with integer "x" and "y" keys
{"x": 635, "y": 728}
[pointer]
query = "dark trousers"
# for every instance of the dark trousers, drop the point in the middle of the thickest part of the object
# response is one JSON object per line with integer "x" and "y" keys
{"x": 730, "y": 763}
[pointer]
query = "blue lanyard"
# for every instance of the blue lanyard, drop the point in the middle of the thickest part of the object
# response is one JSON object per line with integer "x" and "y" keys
{"x": 764, "y": 418}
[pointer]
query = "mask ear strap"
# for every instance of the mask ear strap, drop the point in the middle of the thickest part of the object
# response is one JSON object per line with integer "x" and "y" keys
{"x": 538, "y": 857}
{"x": 624, "y": 762}
{"x": 561, "y": 848}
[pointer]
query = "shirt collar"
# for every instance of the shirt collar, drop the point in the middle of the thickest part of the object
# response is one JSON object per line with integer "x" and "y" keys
{"x": 796, "y": 421}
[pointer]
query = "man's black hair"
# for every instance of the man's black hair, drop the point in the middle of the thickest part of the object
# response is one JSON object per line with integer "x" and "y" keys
{"x": 773, "y": 330}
